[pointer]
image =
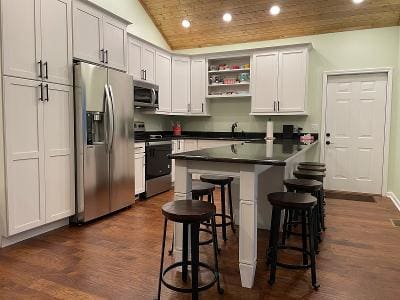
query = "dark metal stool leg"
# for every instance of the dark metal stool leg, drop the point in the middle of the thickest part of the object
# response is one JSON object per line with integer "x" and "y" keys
{"x": 304, "y": 236}
{"x": 216, "y": 251}
{"x": 310, "y": 215}
{"x": 276, "y": 216}
{"x": 285, "y": 225}
{"x": 162, "y": 257}
{"x": 223, "y": 212}
{"x": 194, "y": 236}
{"x": 230, "y": 207}
{"x": 185, "y": 251}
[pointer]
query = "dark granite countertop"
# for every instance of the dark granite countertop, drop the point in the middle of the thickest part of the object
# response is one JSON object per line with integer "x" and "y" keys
{"x": 264, "y": 153}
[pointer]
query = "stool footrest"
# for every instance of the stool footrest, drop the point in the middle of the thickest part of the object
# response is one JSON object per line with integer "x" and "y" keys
{"x": 206, "y": 242}
{"x": 227, "y": 223}
{"x": 294, "y": 266}
{"x": 189, "y": 290}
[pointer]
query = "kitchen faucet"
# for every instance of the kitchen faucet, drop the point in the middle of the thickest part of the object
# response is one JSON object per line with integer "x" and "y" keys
{"x": 234, "y": 125}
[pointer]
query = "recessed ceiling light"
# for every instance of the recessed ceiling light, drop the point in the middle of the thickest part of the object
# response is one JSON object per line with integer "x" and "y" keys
{"x": 358, "y": 1}
{"x": 275, "y": 10}
{"x": 227, "y": 17}
{"x": 186, "y": 23}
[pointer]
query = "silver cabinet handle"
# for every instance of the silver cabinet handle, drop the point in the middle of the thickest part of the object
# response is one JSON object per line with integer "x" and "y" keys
{"x": 40, "y": 63}
{"x": 46, "y": 73}
{"x": 278, "y": 107}
{"x": 47, "y": 93}
{"x": 102, "y": 55}
{"x": 40, "y": 92}
{"x": 274, "y": 105}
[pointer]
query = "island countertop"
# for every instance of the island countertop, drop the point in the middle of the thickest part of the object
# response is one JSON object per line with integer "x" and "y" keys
{"x": 275, "y": 152}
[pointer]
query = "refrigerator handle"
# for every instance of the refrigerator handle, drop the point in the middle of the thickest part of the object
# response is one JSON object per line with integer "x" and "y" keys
{"x": 110, "y": 117}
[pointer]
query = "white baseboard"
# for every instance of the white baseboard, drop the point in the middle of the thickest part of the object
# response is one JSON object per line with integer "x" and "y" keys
{"x": 7, "y": 241}
{"x": 395, "y": 200}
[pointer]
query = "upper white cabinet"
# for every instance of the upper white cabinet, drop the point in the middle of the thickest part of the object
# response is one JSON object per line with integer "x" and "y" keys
{"x": 98, "y": 36}
{"x": 40, "y": 166}
{"x": 141, "y": 60}
{"x": 197, "y": 85}
{"x": 163, "y": 80}
{"x": 280, "y": 82}
{"x": 37, "y": 40}
{"x": 180, "y": 84}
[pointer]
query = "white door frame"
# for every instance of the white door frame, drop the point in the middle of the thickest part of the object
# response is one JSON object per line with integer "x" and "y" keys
{"x": 389, "y": 72}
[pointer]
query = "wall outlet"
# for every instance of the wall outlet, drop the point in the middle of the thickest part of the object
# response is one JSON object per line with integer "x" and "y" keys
{"x": 314, "y": 128}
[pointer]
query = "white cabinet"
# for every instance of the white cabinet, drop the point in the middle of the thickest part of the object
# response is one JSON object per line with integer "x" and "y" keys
{"x": 163, "y": 80}
{"x": 58, "y": 132}
{"x": 37, "y": 40}
{"x": 98, "y": 36}
{"x": 180, "y": 84}
{"x": 197, "y": 85}
{"x": 40, "y": 166}
{"x": 280, "y": 82}
{"x": 141, "y": 60}
{"x": 190, "y": 145}
{"x": 265, "y": 82}
{"x": 140, "y": 168}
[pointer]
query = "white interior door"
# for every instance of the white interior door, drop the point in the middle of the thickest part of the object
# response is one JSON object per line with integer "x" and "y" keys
{"x": 59, "y": 153}
{"x": 355, "y": 131}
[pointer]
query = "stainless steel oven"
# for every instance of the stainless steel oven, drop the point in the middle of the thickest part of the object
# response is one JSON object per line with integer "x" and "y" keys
{"x": 158, "y": 167}
{"x": 145, "y": 94}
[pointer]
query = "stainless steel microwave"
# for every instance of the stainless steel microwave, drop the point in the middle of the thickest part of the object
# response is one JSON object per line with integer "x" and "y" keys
{"x": 145, "y": 94}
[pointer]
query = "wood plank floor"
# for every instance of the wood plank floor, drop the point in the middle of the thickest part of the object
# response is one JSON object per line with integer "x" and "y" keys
{"x": 118, "y": 258}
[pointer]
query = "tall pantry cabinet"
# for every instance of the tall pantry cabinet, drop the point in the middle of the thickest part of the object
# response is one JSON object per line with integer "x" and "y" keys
{"x": 37, "y": 103}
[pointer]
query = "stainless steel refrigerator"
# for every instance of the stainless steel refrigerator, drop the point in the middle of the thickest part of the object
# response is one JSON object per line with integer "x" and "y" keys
{"x": 104, "y": 141}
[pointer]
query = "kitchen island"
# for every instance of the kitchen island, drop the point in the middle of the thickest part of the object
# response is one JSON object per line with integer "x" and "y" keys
{"x": 260, "y": 168}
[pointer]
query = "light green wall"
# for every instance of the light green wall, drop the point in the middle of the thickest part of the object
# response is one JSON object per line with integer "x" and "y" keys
{"x": 153, "y": 122}
{"x": 133, "y": 11}
{"x": 394, "y": 157}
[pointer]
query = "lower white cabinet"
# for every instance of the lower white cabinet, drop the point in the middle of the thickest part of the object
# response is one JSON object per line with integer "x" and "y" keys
{"x": 39, "y": 153}
{"x": 140, "y": 168}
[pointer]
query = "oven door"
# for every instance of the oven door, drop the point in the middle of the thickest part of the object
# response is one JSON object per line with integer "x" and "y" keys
{"x": 157, "y": 162}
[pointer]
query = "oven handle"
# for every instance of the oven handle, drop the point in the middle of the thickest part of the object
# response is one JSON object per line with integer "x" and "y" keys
{"x": 158, "y": 143}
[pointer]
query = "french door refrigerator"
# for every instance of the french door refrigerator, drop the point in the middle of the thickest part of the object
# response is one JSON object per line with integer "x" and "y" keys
{"x": 104, "y": 143}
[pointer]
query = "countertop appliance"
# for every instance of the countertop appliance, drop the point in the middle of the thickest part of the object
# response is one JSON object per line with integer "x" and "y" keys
{"x": 145, "y": 94}
{"x": 105, "y": 164}
{"x": 158, "y": 165}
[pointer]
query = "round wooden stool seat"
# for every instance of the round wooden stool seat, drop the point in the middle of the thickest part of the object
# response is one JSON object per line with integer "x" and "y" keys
{"x": 303, "y": 185}
{"x": 215, "y": 179}
{"x": 311, "y": 168}
{"x": 188, "y": 211}
{"x": 312, "y": 163}
{"x": 302, "y": 174}
{"x": 202, "y": 188}
{"x": 292, "y": 200}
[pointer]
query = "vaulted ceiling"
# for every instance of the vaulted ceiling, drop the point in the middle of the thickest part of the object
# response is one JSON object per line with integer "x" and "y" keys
{"x": 252, "y": 21}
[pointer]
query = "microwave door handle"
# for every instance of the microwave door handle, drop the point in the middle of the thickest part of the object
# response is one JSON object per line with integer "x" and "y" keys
{"x": 109, "y": 118}
{"x": 153, "y": 97}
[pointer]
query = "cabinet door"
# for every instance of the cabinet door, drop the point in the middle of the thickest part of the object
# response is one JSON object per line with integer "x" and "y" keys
{"x": 149, "y": 63}
{"x": 21, "y": 38}
{"x": 23, "y": 117}
{"x": 197, "y": 85}
{"x": 163, "y": 80}
{"x": 292, "y": 80}
{"x": 114, "y": 43}
{"x": 56, "y": 26}
{"x": 265, "y": 82}
{"x": 135, "y": 59}
{"x": 88, "y": 33}
{"x": 180, "y": 84}
{"x": 59, "y": 152}
{"x": 139, "y": 173}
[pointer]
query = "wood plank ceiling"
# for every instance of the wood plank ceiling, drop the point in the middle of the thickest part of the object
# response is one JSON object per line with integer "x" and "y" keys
{"x": 252, "y": 21}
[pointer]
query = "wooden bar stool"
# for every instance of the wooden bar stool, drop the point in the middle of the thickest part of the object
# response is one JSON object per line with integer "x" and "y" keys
{"x": 312, "y": 163}
{"x": 200, "y": 190}
{"x": 305, "y": 186}
{"x": 311, "y": 168}
{"x": 306, "y": 204}
{"x": 319, "y": 176}
{"x": 189, "y": 212}
{"x": 222, "y": 181}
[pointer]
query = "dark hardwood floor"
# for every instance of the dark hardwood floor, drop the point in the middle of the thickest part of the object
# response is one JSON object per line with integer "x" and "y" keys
{"x": 118, "y": 258}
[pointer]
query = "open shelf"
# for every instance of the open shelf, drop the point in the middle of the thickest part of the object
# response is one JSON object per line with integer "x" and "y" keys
{"x": 229, "y": 96}
{"x": 229, "y": 84}
{"x": 228, "y": 71}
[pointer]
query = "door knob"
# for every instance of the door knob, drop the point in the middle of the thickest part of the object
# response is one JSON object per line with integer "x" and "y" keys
{"x": 328, "y": 142}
